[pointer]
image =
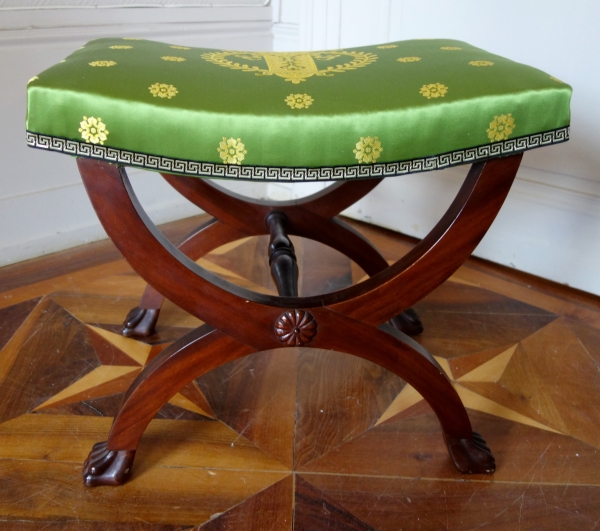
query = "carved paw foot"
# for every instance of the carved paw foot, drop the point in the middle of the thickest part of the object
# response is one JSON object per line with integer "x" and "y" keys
{"x": 408, "y": 322}
{"x": 140, "y": 322}
{"x": 471, "y": 456}
{"x": 107, "y": 467}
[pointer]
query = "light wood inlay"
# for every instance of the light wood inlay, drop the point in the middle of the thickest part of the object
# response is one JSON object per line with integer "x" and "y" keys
{"x": 479, "y": 403}
{"x": 408, "y": 397}
{"x": 490, "y": 371}
{"x": 185, "y": 403}
{"x": 136, "y": 350}
{"x": 103, "y": 380}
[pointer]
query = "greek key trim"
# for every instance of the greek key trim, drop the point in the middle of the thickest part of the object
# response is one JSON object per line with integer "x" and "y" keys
{"x": 274, "y": 173}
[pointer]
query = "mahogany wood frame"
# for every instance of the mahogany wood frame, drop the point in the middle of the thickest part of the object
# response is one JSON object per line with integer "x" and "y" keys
{"x": 352, "y": 320}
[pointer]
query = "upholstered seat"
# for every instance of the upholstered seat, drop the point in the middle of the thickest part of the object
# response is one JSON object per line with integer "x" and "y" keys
{"x": 345, "y": 114}
{"x": 371, "y": 111}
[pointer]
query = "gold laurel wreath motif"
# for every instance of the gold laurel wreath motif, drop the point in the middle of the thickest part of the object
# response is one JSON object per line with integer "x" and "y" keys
{"x": 294, "y": 67}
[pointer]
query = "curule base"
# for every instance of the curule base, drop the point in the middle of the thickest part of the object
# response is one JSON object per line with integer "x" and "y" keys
{"x": 107, "y": 467}
{"x": 471, "y": 456}
{"x": 140, "y": 322}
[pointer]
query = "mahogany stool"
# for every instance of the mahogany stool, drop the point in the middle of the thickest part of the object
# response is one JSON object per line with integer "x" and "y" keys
{"x": 353, "y": 116}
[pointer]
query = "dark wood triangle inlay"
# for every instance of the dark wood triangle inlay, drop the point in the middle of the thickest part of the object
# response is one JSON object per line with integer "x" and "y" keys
{"x": 54, "y": 354}
{"x": 12, "y": 318}
{"x": 256, "y": 396}
{"x": 339, "y": 397}
{"x": 107, "y": 353}
{"x": 270, "y": 509}
{"x": 314, "y": 510}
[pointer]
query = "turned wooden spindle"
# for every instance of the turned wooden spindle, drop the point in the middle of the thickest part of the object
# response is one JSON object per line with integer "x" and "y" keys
{"x": 282, "y": 258}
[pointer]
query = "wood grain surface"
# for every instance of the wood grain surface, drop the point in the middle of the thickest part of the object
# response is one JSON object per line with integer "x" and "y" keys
{"x": 303, "y": 439}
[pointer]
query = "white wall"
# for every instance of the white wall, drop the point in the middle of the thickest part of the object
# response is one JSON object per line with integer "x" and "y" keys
{"x": 43, "y": 206}
{"x": 286, "y": 24}
{"x": 550, "y": 224}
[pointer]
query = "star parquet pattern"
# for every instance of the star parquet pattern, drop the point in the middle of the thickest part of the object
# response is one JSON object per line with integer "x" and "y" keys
{"x": 301, "y": 439}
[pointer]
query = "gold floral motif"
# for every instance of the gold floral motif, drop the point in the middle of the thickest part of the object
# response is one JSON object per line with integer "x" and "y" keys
{"x": 120, "y": 47}
{"x": 103, "y": 63}
{"x": 299, "y": 101}
{"x": 232, "y": 150}
{"x": 408, "y": 59}
{"x": 387, "y": 46}
{"x": 93, "y": 130}
{"x": 34, "y": 78}
{"x": 450, "y": 48}
{"x": 368, "y": 149}
{"x": 501, "y": 127}
{"x": 171, "y": 58}
{"x": 434, "y": 90}
{"x": 481, "y": 63}
{"x": 292, "y": 66}
{"x": 180, "y": 47}
{"x": 162, "y": 90}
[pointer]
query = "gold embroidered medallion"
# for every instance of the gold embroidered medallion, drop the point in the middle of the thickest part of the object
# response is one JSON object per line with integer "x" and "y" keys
{"x": 501, "y": 127}
{"x": 292, "y": 66}
{"x": 232, "y": 150}
{"x": 93, "y": 130}
{"x": 102, "y": 63}
{"x": 299, "y": 101}
{"x": 162, "y": 90}
{"x": 433, "y": 90}
{"x": 368, "y": 149}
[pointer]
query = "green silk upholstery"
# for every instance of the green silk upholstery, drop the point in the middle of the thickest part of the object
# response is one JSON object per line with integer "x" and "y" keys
{"x": 363, "y": 112}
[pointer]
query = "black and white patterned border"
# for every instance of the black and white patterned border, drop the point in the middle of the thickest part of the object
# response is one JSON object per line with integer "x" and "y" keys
{"x": 272, "y": 173}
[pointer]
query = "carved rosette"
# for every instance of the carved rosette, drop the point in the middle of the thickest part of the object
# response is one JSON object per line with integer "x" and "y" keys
{"x": 296, "y": 328}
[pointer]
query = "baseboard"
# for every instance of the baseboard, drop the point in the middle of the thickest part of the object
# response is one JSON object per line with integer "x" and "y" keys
{"x": 548, "y": 226}
{"x": 72, "y": 222}
{"x": 69, "y": 223}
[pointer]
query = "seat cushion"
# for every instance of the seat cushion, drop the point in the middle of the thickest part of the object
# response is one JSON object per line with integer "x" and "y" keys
{"x": 373, "y": 111}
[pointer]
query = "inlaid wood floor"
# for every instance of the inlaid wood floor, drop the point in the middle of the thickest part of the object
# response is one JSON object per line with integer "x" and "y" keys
{"x": 298, "y": 439}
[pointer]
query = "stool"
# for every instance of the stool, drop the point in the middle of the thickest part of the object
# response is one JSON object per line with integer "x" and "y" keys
{"x": 354, "y": 116}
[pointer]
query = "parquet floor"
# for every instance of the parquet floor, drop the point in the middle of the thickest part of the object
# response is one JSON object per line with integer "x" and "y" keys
{"x": 303, "y": 439}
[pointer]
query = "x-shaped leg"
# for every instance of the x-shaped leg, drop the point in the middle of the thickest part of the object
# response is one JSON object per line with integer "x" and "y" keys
{"x": 312, "y": 217}
{"x": 351, "y": 320}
